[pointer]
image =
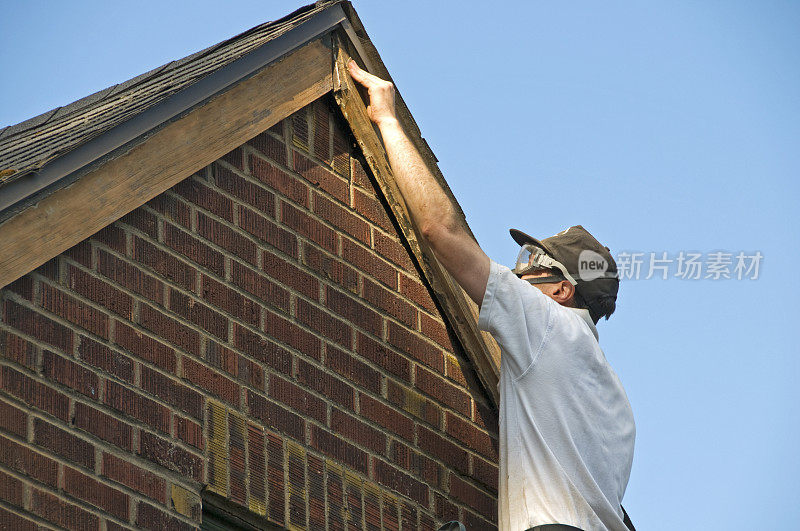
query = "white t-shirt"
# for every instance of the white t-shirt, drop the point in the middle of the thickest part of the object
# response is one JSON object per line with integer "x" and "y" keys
{"x": 566, "y": 426}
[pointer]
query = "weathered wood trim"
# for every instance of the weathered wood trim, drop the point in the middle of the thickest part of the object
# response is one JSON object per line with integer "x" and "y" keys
{"x": 166, "y": 157}
{"x": 460, "y": 311}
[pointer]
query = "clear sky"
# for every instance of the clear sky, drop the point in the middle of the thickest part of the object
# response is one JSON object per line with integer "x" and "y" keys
{"x": 660, "y": 128}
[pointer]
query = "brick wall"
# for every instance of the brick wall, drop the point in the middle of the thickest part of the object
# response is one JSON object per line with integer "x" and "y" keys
{"x": 258, "y": 330}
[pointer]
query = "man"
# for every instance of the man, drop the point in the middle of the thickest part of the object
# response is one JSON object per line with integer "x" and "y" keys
{"x": 566, "y": 426}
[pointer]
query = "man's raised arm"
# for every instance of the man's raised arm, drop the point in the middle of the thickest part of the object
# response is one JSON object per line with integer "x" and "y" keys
{"x": 430, "y": 207}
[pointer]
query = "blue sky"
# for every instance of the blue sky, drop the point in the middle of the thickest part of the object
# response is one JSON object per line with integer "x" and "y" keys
{"x": 660, "y": 128}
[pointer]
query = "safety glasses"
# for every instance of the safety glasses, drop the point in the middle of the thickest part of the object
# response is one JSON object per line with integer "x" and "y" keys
{"x": 532, "y": 258}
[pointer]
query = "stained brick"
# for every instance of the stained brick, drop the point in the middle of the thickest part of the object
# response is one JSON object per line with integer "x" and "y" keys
{"x": 389, "y": 513}
{"x": 372, "y": 511}
{"x": 276, "y": 417}
{"x": 28, "y": 462}
{"x": 308, "y": 227}
{"x": 92, "y": 491}
{"x": 275, "y": 481}
{"x": 34, "y": 393}
{"x": 262, "y": 287}
{"x": 386, "y": 300}
{"x": 400, "y": 482}
{"x": 100, "y": 292}
{"x": 280, "y": 181}
{"x": 290, "y": 275}
{"x": 18, "y": 349}
{"x": 137, "y": 406}
{"x": 164, "y": 264}
{"x": 448, "y": 452}
{"x": 357, "y": 431}
{"x": 330, "y": 267}
{"x": 263, "y": 350}
{"x": 226, "y": 237}
{"x": 353, "y": 501}
{"x": 164, "y": 326}
{"x": 211, "y": 381}
{"x": 63, "y": 443}
{"x": 268, "y": 231}
{"x": 107, "y": 359}
{"x": 443, "y": 391}
{"x": 61, "y": 512}
{"x": 413, "y": 403}
{"x": 328, "y": 326}
{"x": 354, "y": 312}
{"x": 256, "y": 465}
{"x": 316, "y": 493}
{"x": 335, "y": 497}
{"x": 205, "y": 197}
{"x": 270, "y": 146}
{"x": 416, "y": 347}
{"x": 236, "y": 458}
{"x": 470, "y": 436}
{"x": 12, "y": 419}
{"x": 164, "y": 453}
{"x": 387, "y": 417}
{"x": 341, "y": 218}
{"x": 40, "y": 327}
{"x": 335, "y": 447}
{"x": 352, "y": 369}
{"x": 198, "y": 313}
{"x": 194, "y": 249}
{"x": 107, "y": 427}
{"x": 148, "y": 517}
{"x": 325, "y": 384}
{"x": 297, "y": 398}
{"x": 453, "y": 369}
{"x": 69, "y": 373}
{"x": 189, "y": 432}
{"x": 369, "y": 263}
{"x": 172, "y": 392}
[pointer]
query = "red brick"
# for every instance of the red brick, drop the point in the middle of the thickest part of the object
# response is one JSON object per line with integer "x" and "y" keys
{"x": 446, "y": 511}
{"x": 34, "y": 393}
{"x": 13, "y": 420}
{"x": 276, "y": 417}
{"x": 408, "y": 516}
{"x": 211, "y": 381}
{"x": 325, "y": 324}
{"x": 9, "y": 520}
{"x": 322, "y": 133}
{"x": 416, "y": 347}
{"x": 269, "y": 146}
{"x": 95, "y": 493}
{"x": 400, "y": 482}
{"x": 226, "y": 237}
{"x": 160, "y": 324}
{"x": 417, "y": 292}
{"x": 342, "y": 218}
{"x": 316, "y": 493}
{"x": 470, "y": 436}
{"x": 357, "y": 431}
{"x": 413, "y": 403}
{"x": 235, "y": 158}
{"x": 137, "y": 406}
{"x": 289, "y": 274}
{"x": 28, "y": 462}
{"x": 391, "y": 522}
{"x": 335, "y": 497}
{"x": 148, "y": 517}
{"x": 61, "y": 512}
{"x": 330, "y": 267}
{"x": 105, "y": 358}
{"x": 418, "y": 464}
{"x": 143, "y": 220}
{"x": 327, "y": 385}
{"x": 371, "y": 208}
{"x": 352, "y": 369}
{"x": 198, "y": 313}
{"x": 339, "y": 449}
{"x": 341, "y": 151}
{"x": 23, "y": 287}
{"x": 63, "y": 443}
{"x": 238, "y": 366}
{"x": 297, "y": 398}
{"x": 205, "y": 197}
{"x": 164, "y": 264}
{"x": 107, "y": 427}
{"x": 194, "y": 249}
{"x": 257, "y": 463}
{"x": 435, "y": 330}
{"x": 288, "y": 332}
{"x": 236, "y": 459}
{"x": 18, "y": 349}
{"x": 297, "y": 487}
{"x": 372, "y": 510}
{"x": 81, "y": 253}
{"x": 393, "y": 251}
{"x": 268, "y": 231}
{"x": 12, "y": 490}
{"x": 69, "y": 373}
{"x": 387, "y": 417}
{"x": 485, "y": 472}
{"x": 386, "y": 300}
{"x": 280, "y": 181}
{"x": 366, "y": 261}
{"x": 38, "y": 326}
{"x": 113, "y": 236}
{"x": 453, "y": 370}
{"x": 189, "y": 432}
{"x": 164, "y": 453}
{"x": 311, "y": 228}
{"x": 263, "y": 350}
{"x": 382, "y": 355}
{"x": 360, "y": 172}
{"x": 275, "y": 481}
{"x": 171, "y": 208}
{"x": 73, "y": 310}
{"x": 252, "y": 194}
{"x": 233, "y": 302}
{"x": 354, "y": 312}
{"x": 443, "y": 391}
{"x": 472, "y": 521}
{"x": 472, "y": 496}
{"x": 299, "y": 123}
{"x": 451, "y": 454}
{"x": 262, "y": 287}
{"x": 100, "y": 292}
{"x": 49, "y": 269}
{"x": 172, "y": 392}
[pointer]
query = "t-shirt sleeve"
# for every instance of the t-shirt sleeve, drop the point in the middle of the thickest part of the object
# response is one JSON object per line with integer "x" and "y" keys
{"x": 518, "y": 316}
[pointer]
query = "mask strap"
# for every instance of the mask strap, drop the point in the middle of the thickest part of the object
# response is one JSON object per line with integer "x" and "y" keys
{"x": 544, "y": 280}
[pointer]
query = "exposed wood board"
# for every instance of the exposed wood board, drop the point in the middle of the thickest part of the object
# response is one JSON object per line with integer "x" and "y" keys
{"x": 460, "y": 312}
{"x": 165, "y": 158}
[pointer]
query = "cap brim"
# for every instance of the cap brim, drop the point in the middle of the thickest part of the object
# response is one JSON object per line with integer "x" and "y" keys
{"x": 521, "y": 238}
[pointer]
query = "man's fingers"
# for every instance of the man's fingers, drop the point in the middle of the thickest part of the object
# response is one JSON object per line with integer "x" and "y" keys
{"x": 362, "y": 76}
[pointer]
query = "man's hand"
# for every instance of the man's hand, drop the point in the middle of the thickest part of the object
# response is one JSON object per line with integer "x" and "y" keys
{"x": 380, "y": 107}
